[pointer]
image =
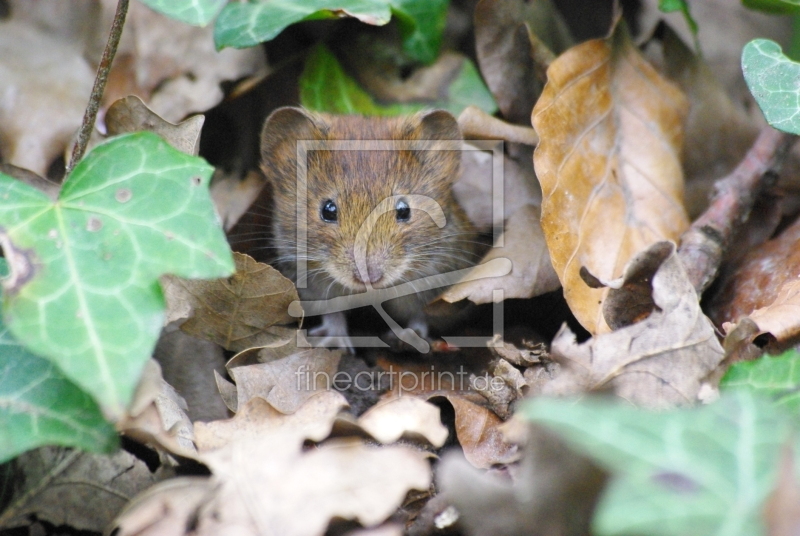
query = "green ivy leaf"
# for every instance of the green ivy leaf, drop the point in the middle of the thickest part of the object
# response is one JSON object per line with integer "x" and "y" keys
{"x": 668, "y": 6}
{"x": 421, "y": 24}
{"x": 776, "y": 7}
{"x": 325, "y": 87}
{"x": 774, "y": 81}
{"x": 696, "y": 471}
{"x": 194, "y": 12}
{"x": 84, "y": 289}
{"x": 775, "y": 377}
{"x": 246, "y": 24}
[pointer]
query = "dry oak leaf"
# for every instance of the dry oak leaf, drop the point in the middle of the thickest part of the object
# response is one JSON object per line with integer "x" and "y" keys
{"x": 130, "y": 114}
{"x": 264, "y": 483}
{"x": 286, "y": 383}
{"x": 313, "y": 421}
{"x": 531, "y": 274}
{"x": 611, "y": 130}
{"x": 659, "y": 362}
{"x": 781, "y": 319}
{"x": 237, "y": 312}
{"x": 405, "y": 416}
{"x": 263, "y": 490}
{"x": 157, "y": 415}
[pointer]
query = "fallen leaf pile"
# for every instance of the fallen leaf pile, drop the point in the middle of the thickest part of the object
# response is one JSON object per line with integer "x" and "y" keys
{"x": 587, "y": 384}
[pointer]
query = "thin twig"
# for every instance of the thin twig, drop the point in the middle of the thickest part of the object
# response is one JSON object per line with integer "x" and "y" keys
{"x": 89, "y": 117}
{"x": 704, "y": 245}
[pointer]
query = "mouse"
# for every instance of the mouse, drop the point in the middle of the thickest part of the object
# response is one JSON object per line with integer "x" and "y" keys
{"x": 380, "y": 216}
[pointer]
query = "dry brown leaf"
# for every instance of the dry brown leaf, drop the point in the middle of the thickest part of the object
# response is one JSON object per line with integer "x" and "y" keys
{"x": 718, "y": 130}
{"x": 264, "y": 483}
{"x": 233, "y": 196}
{"x": 658, "y": 362}
{"x": 37, "y": 116}
{"x": 474, "y": 189}
{"x": 503, "y": 50}
{"x": 725, "y": 28}
{"x": 287, "y": 383}
{"x": 82, "y": 490}
{"x": 611, "y": 131}
{"x": 479, "y": 435}
{"x": 238, "y": 312}
{"x": 157, "y": 415}
{"x": 273, "y": 495}
{"x": 405, "y": 416}
{"x": 531, "y": 273}
{"x": 174, "y": 67}
{"x": 130, "y": 114}
{"x": 313, "y": 421}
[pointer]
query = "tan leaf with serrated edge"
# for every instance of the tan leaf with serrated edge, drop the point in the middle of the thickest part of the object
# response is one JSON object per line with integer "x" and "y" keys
{"x": 238, "y": 312}
{"x": 479, "y": 435}
{"x": 287, "y": 383}
{"x": 313, "y": 420}
{"x": 611, "y": 130}
{"x": 657, "y": 362}
{"x": 132, "y": 115}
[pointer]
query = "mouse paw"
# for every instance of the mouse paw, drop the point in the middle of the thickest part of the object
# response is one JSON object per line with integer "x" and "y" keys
{"x": 332, "y": 333}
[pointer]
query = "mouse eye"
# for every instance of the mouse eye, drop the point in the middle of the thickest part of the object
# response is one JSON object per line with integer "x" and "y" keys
{"x": 402, "y": 211}
{"x": 328, "y": 212}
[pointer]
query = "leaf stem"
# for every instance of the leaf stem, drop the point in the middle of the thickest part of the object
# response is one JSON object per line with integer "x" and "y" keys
{"x": 99, "y": 87}
{"x": 704, "y": 244}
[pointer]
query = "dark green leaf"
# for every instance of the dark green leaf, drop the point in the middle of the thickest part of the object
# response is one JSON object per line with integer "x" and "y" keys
{"x": 421, "y": 25}
{"x": 694, "y": 471}
{"x": 245, "y": 24}
{"x": 325, "y": 87}
{"x": 195, "y": 12}
{"x": 774, "y": 81}
{"x": 84, "y": 289}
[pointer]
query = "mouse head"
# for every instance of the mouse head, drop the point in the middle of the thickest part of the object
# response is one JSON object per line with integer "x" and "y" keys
{"x": 377, "y": 214}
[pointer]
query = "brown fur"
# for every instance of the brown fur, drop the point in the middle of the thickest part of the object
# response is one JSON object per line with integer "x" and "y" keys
{"x": 357, "y": 181}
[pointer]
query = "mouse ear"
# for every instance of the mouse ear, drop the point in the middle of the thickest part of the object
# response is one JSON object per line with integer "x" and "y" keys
{"x": 443, "y": 162}
{"x": 434, "y": 125}
{"x": 284, "y": 127}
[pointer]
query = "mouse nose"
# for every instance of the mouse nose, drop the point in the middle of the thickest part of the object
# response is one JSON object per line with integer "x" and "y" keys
{"x": 374, "y": 273}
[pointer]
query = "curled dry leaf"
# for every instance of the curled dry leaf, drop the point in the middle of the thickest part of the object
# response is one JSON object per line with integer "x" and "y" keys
{"x": 503, "y": 50}
{"x": 531, "y": 270}
{"x": 233, "y": 196}
{"x": 238, "y": 312}
{"x": 405, "y": 416}
{"x": 762, "y": 295}
{"x": 611, "y": 131}
{"x": 658, "y": 362}
{"x": 478, "y": 433}
{"x": 288, "y": 382}
{"x": 157, "y": 415}
{"x": 130, "y": 114}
